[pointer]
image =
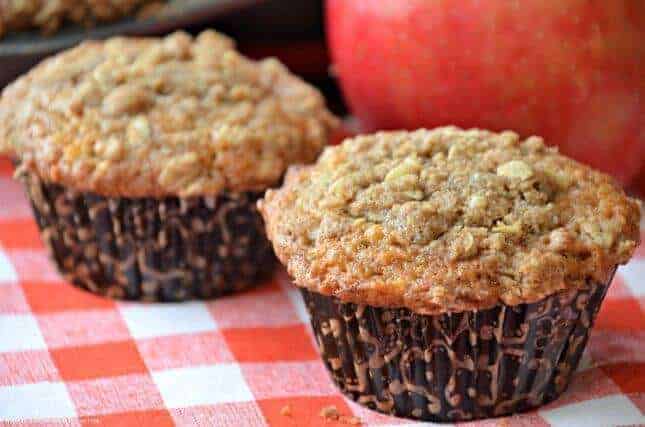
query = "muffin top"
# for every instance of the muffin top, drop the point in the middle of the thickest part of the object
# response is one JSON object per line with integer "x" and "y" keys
{"x": 162, "y": 117}
{"x": 448, "y": 220}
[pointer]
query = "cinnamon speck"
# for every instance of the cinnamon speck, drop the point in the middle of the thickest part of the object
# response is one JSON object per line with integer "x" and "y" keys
{"x": 329, "y": 412}
{"x": 286, "y": 411}
{"x": 354, "y": 421}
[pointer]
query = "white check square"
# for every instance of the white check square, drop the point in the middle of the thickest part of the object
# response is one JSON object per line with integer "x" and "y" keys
{"x": 607, "y": 411}
{"x": 37, "y": 401}
{"x": 154, "y": 320}
{"x": 204, "y": 385}
{"x": 20, "y": 332}
{"x": 633, "y": 275}
{"x": 8, "y": 275}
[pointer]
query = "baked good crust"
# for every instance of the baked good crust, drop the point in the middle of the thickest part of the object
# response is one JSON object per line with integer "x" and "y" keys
{"x": 448, "y": 220}
{"x": 49, "y": 15}
{"x": 178, "y": 116}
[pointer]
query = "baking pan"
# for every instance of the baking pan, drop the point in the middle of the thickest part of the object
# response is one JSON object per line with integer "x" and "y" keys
{"x": 21, "y": 50}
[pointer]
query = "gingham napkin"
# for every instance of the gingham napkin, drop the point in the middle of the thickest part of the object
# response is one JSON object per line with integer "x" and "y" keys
{"x": 70, "y": 358}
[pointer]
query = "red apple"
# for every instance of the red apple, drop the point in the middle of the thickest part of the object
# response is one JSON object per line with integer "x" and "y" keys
{"x": 572, "y": 71}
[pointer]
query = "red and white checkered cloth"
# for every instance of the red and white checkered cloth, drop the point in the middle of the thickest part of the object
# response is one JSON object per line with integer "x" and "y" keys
{"x": 70, "y": 358}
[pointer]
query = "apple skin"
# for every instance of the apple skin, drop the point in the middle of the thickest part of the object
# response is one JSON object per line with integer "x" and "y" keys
{"x": 572, "y": 71}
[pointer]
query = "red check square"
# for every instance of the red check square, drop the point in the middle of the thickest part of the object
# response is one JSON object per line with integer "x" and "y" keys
{"x": 20, "y": 234}
{"x": 289, "y": 343}
{"x": 621, "y": 315}
{"x": 155, "y": 418}
{"x": 48, "y": 297}
{"x": 303, "y": 411}
{"x": 98, "y": 361}
{"x": 630, "y": 377}
{"x": 6, "y": 167}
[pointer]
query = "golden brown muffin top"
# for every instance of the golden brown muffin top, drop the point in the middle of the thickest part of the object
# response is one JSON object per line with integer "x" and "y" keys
{"x": 162, "y": 117}
{"x": 448, "y": 220}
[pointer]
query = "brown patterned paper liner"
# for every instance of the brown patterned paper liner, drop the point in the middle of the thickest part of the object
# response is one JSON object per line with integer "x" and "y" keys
{"x": 169, "y": 249}
{"x": 454, "y": 366}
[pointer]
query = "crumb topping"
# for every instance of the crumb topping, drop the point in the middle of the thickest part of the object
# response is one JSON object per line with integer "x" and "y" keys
{"x": 49, "y": 15}
{"x": 285, "y": 411}
{"x": 448, "y": 220}
{"x": 176, "y": 116}
{"x": 330, "y": 412}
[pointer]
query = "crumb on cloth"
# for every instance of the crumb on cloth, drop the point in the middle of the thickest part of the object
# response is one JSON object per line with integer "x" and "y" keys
{"x": 330, "y": 413}
{"x": 285, "y": 411}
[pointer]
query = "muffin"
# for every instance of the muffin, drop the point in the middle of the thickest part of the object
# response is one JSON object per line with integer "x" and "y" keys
{"x": 144, "y": 159}
{"x": 450, "y": 274}
{"x": 49, "y": 15}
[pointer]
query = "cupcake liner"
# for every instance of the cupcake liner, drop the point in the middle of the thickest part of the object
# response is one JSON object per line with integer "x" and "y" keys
{"x": 169, "y": 249}
{"x": 454, "y": 366}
